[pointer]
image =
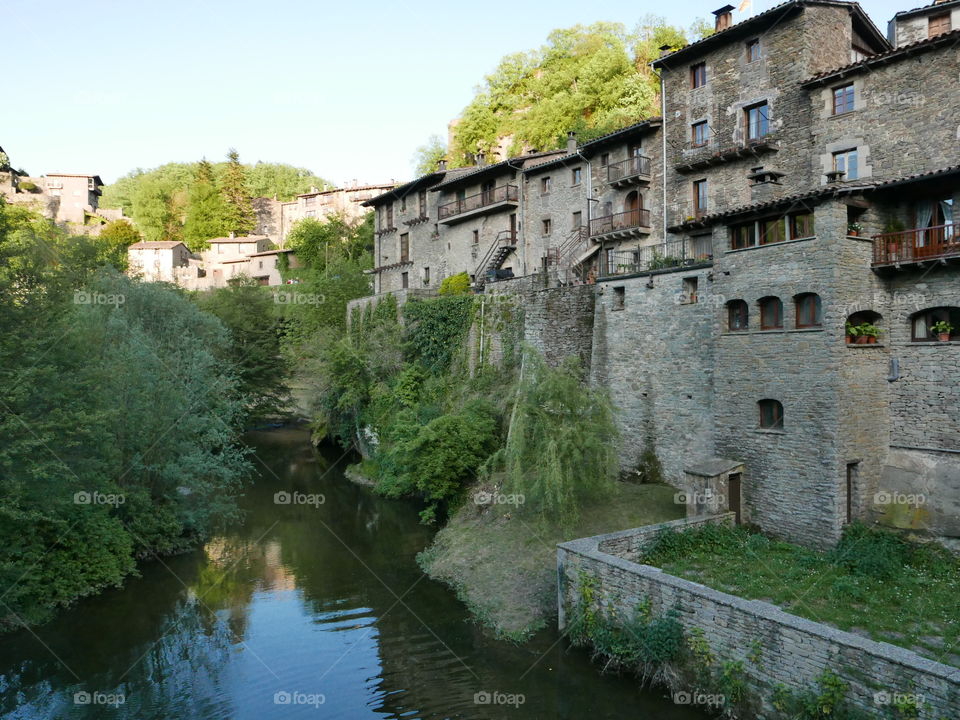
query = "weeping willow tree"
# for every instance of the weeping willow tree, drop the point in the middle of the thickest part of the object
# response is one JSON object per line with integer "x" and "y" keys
{"x": 561, "y": 446}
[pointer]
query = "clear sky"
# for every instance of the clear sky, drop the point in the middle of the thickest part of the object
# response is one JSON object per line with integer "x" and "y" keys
{"x": 347, "y": 89}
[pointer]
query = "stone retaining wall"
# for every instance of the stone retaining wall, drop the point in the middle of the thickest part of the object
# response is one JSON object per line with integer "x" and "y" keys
{"x": 793, "y": 650}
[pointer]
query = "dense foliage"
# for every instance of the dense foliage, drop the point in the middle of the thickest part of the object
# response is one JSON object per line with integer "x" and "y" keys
{"x": 118, "y": 415}
{"x": 590, "y": 79}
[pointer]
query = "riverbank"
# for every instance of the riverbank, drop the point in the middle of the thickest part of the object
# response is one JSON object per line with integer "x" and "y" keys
{"x": 502, "y": 564}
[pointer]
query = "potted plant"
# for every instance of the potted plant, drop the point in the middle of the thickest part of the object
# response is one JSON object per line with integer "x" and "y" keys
{"x": 854, "y": 229}
{"x": 851, "y": 333}
{"x": 870, "y": 332}
{"x": 943, "y": 330}
{"x": 893, "y": 227}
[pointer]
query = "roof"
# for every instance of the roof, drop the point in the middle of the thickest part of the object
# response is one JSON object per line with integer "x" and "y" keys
{"x": 239, "y": 239}
{"x": 902, "y": 52}
{"x": 271, "y": 252}
{"x": 355, "y": 188}
{"x": 406, "y": 188}
{"x": 514, "y": 163}
{"x": 923, "y": 10}
{"x": 231, "y": 261}
{"x": 622, "y": 134}
{"x": 155, "y": 245}
{"x": 96, "y": 177}
{"x": 749, "y": 26}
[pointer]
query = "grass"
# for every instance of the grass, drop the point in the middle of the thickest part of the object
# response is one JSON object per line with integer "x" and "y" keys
{"x": 874, "y": 583}
{"x": 503, "y": 564}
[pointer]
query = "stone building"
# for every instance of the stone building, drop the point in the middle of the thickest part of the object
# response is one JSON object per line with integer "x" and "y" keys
{"x": 157, "y": 261}
{"x": 346, "y": 202}
{"x": 775, "y": 266}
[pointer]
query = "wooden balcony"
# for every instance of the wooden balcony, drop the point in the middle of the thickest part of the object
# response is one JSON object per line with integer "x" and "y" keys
{"x": 479, "y": 204}
{"x": 632, "y": 223}
{"x": 634, "y": 169}
{"x": 918, "y": 247}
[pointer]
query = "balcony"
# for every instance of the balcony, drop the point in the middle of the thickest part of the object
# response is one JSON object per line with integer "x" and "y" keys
{"x": 620, "y": 226}
{"x": 685, "y": 253}
{"x": 634, "y": 169}
{"x": 479, "y": 204}
{"x": 700, "y": 157}
{"x": 918, "y": 247}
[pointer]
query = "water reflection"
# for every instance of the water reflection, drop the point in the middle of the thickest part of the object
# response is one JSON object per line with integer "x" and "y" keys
{"x": 296, "y": 604}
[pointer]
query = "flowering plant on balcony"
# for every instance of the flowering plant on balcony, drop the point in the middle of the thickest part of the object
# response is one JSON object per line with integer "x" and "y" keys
{"x": 854, "y": 229}
{"x": 942, "y": 329}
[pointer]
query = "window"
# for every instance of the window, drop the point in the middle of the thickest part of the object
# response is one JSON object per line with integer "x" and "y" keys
{"x": 476, "y": 237}
{"x": 403, "y": 204}
{"x": 743, "y": 236}
{"x": 426, "y": 276}
{"x": 698, "y": 75}
{"x": 801, "y": 225}
{"x": 843, "y": 99}
{"x": 422, "y": 201}
{"x": 577, "y": 220}
{"x": 547, "y": 226}
{"x": 699, "y": 197}
{"x": 405, "y": 247}
{"x": 738, "y": 316}
{"x": 758, "y": 121}
{"x": 700, "y": 133}
{"x": 545, "y": 185}
{"x": 404, "y": 280}
{"x": 846, "y": 162}
{"x": 922, "y": 324}
{"x": 91, "y": 184}
{"x": 809, "y": 310}
{"x": 772, "y": 231}
{"x": 753, "y": 50}
{"x": 619, "y": 298}
{"x": 576, "y": 176}
{"x": 488, "y": 192}
{"x": 690, "y": 290}
{"x": 310, "y": 213}
{"x": 771, "y": 313}
{"x": 771, "y": 414}
{"x": 604, "y": 159}
{"x": 389, "y": 216}
{"x": 938, "y": 24}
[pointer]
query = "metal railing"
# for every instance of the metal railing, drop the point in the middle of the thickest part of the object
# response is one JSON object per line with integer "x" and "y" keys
{"x": 673, "y": 254}
{"x": 503, "y": 193}
{"x": 638, "y": 165}
{"x": 917, "y": 245}
{"x": 505, "y": 239}
{"x": 620, "y": 221}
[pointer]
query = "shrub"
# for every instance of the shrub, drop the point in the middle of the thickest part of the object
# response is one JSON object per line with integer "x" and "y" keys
{"x": 435, "y": 330}
{"x": 458, "y": 284}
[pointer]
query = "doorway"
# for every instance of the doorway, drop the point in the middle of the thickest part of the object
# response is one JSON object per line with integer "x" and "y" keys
{"x": 734, "y": 482}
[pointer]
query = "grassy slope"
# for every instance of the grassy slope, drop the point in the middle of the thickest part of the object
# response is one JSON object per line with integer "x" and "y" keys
{"x": 503, "y": 566}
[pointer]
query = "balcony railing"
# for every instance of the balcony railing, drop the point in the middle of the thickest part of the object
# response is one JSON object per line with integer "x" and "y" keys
{"x": 629, "y": 220}
{"x": 916, "y": 246}
{"x": 664, "y": 256}
{"x": 504, "y": 193}
{"x": 633, "y": 167}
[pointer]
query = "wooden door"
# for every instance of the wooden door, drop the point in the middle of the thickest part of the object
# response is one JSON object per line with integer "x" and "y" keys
{"x": 734, "y": 481}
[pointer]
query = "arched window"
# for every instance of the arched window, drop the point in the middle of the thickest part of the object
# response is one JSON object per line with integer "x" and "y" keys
{"x": 809, "y": 310}
{"x": 738, "y": 315}
{"x": 771, "y": 313}
{"x": 771, "y": 414}
{"x": 926, "y": 325}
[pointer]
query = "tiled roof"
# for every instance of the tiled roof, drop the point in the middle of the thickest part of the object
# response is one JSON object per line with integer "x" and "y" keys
{"x": 925, "y": 8}
{"x": 239, "y": 239}
{"x": 735, "y": 30}
{"x": 885, "y": 57}
{"x": 647, "y": 124}
{"x": 154, "y": 245}
{"x": 271, "y": 252}
{"x": 515, "y": 163}
{"x": 356, "y": 188}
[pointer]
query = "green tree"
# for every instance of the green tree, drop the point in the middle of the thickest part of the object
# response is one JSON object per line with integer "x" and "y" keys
{"x": 115, "y": 237}
{"x": 316, "y": 242}
{"x": 427, "y": 156}
{"x": 238, "y": 214}
{"x": 206, "y": 210}
{"x": 283, "y": 181}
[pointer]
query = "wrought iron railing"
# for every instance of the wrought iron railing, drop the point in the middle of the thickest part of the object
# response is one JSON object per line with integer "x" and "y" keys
{"x": 503, "y": 193}
{"x": 916, "y": 245}
{"x": 663, "y": 256}
{"x": 637, "y": 165}
{"x": 628, "y": 220}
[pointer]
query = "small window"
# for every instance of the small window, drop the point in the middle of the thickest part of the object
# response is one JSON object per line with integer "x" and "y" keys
{"x": 809, "y": 310}
{"x": 772, "y": 231}
{"x": 771, "y": 313}
{"x": 426, "y": 276}
{"x": 771, "y": 414}
{"x": 476, "y": 237}
{"x": 801, "y": 225}
{"x": 404, "y": 280}
{"x": 619, "y": 298}
{"x": 422, "y": 201}
{"x": 753, "y": 50}
{"x": 577, "y": 220}
{"x": 843, "y": 99}
{"x": 743, "y": 236}
{"x": 405, "y": 247}
{"x": 925, "y": 327}
{"x": 547, "y": 226}
{"x": 758, "y": 121}
{"x": 700, "y": 133}
{"x": 698, "y": 75}
{"x": 604, "y": 159}
{"x": 846, "y": 162}
{"x": 938, "y": 24}
{"x": 545, "y": 185}
{"x": 699, "y": 197}
{"x": 576, "y": 176}
{"x": 690, "y": 290}
{"x": 403, "y": 204}
{"x": 390, "y": 216}
{"x": 738, "y": 316}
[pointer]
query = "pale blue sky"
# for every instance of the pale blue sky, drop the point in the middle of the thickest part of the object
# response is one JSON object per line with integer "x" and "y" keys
{"x": 347, "y": 89}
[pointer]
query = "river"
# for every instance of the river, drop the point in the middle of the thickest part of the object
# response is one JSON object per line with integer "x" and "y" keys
{"x": 303, "y": 610}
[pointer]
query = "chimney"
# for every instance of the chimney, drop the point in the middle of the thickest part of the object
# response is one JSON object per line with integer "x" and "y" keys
{"x": 442, "y": 165}
{"x": 724, "y": 17}
{"x": 571, "y": 142}
{"x": 232, "y": 234}
{"x": 765, "y": 185}
{"x": 481, "y": 159}
{"x": 665, "y": 50}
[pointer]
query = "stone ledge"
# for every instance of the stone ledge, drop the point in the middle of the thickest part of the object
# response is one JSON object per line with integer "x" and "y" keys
{"x": 791, "y": 241}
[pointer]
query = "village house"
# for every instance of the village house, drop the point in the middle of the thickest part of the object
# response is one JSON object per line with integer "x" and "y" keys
{"x": 157, "y": 261}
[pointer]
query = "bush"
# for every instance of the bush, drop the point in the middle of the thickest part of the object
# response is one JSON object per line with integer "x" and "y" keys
{"x": 28, "y": 186}
{"x": 435, "y": 330}
{"x": 458, "y": 284}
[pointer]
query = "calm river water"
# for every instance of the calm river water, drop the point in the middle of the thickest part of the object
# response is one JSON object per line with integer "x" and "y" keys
{"x": 301, "y": 611}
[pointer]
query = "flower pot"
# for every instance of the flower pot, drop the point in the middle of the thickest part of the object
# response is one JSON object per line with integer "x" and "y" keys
{"x": 848, "y": 339}
{"x": 871, "y": 340}
{"x": 861, "y": 340}
{"x": 853, "y": 233}
{"x": 944, "y": 337}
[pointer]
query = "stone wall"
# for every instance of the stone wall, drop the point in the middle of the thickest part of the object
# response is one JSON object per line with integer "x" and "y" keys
{"x": 558, "y": 206}
{"x": 793, "y": 651}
